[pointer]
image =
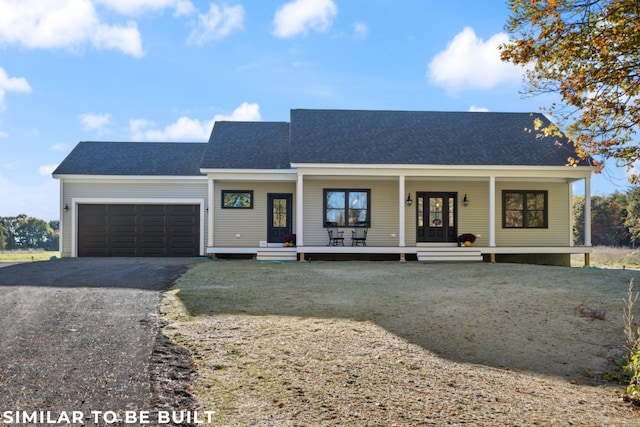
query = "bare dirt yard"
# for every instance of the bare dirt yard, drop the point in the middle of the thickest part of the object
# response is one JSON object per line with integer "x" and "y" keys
{"x": 403, "y": 344}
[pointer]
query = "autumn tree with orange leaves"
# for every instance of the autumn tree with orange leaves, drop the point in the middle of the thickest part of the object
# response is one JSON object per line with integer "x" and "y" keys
{"x": 588, "y": 52}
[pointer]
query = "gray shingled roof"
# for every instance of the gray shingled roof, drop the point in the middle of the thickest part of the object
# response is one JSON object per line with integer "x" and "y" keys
{"x": 334, "y": 136}
{"x": 133, "y": 158}
{"x": 417, "y": 137}
{"x": 248, "y": 145}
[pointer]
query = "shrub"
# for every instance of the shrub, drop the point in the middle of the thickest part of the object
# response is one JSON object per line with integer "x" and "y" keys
{"x": 632, "y": 367}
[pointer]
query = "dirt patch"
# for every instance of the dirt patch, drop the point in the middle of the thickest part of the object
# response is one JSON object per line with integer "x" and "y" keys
{"x": 357, "y": 343}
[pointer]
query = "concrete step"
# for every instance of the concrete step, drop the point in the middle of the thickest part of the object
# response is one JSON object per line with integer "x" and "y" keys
{"x": 442, "y": 254}
{"x": 277, "y": 254}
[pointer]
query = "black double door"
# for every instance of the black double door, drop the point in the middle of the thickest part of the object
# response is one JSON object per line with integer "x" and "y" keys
{"x": 436, "y": 217}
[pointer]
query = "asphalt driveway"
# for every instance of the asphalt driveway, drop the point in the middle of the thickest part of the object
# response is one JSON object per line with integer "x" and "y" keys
{"x": 83, "y": 334}
{"x": 139, "y": 273}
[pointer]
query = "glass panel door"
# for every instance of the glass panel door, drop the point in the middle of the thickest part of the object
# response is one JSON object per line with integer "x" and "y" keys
{"x": 279, "y": 216}
{"x": 436, "y": 217}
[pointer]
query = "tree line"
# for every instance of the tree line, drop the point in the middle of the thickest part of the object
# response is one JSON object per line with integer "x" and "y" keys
{"x": 24, "y": 232}
{"x": 615, "y": 219}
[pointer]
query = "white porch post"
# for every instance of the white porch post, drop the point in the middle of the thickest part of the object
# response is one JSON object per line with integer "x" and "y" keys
{"x": 587, "y": 211}
{"x": 401, "y": 191}
{"x": 299, "y": 204}
{"x": 492, "y": 216}
{"x": 492, "y": 211}
{"x": 210, "y": 211}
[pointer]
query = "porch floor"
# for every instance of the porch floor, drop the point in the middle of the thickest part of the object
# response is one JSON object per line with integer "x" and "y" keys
{"x": 423, "y": 252}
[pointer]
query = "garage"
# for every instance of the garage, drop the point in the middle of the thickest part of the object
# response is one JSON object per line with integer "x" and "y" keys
{"x": 138, "y": 230}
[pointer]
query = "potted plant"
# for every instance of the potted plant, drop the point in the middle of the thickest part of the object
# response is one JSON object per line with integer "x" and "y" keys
{"x": 466, "y": 239}
{"x": 289, "y": 240}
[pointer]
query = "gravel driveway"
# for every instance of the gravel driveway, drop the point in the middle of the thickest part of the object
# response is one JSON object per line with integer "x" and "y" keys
{"x": 83, "y": 334}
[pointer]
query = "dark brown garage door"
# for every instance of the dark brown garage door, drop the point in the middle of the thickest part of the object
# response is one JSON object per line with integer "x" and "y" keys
{"x": 138, "y": 230}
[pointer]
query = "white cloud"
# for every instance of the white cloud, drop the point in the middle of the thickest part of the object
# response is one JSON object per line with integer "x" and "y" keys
{"x": 59, "y": 147}
{"x": 47, "y": 170}
{"x": 217, "y": 23}
{"x": 361, "y": 30}
{"x": 93, "y": 121}
{"x": 246, "y": 112}
{"x": 469, "y": 62}
{"x": 135, "y": 7}
{"x": 300, "y": 16}
{"x": 63, "y": 23}
{"x": 11, "y": 84}
{"x": 126, "y": 39}
{"x": 4, "y": 134}
{"x": 475, "y": 109}
{"x": 188, "y": 129}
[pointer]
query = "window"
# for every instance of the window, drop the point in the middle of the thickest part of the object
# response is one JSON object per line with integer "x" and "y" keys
{"x": 237, "y": 199}
{"x": 524, "y": 209}
{"x": 347, "y": 208}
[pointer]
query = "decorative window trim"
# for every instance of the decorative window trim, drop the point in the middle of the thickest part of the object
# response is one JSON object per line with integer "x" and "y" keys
{"x": 346, "y": 191}
{"x": 524, "y": 211}
{"x": 236, "y": 202}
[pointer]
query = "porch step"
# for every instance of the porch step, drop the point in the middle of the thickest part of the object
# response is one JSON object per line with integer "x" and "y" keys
{"x": 277, "y": 254}
{"x": 446, "y": 254}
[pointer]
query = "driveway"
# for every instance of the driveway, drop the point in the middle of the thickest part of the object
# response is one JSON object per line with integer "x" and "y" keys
{"x": 83, "y": 334}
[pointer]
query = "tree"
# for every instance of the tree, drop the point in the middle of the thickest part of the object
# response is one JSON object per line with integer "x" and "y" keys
{"x": 632, "y": 221}
{"x": 588, "y": 52}
{"x": 33, "y": 233}
{"x": 4, "y": 234}
{"x": 607, "y": 227}
{"x": 11, "y": 224}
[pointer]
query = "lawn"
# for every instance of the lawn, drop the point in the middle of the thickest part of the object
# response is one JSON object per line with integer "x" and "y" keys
{"x": 24, "y": 256}
{"x": 390, "y": 343}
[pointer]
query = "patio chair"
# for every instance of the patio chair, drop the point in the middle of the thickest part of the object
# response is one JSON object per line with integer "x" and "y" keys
{"x": 359, "y": 235}
{"x": 336, "y": 237}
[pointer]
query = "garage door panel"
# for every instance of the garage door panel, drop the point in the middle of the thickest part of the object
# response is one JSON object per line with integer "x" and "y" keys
{"x": 138, "y": 230}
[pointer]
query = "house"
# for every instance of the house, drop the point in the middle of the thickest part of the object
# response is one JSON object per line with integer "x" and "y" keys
{"x": 414, "y": 180}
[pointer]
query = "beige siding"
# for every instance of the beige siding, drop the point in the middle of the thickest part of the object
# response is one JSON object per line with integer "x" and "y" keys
{"x": 558, "y": 232}
{"x": 384, "y": 211}
{"x": 134, "y": 190}
{"x": 246, "y": 227}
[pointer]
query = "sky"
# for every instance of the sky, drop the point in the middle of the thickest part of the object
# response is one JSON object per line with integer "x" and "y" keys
{"x": 166, "y": 70}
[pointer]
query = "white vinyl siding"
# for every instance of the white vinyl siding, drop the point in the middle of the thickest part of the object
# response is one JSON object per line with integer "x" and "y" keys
{"x": 132, "y": 191}
{"x": 246, "y": 227}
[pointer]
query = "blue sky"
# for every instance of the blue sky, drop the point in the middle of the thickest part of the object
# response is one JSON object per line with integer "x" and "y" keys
{"x": 165, "y": 70}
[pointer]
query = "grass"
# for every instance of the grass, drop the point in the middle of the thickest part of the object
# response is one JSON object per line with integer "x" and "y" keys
{"x": 23, "y": 256}
{"x": 610, "y": 257}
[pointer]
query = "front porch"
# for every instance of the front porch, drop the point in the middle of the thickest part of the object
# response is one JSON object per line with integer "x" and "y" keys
{"x": 423, "y": 253}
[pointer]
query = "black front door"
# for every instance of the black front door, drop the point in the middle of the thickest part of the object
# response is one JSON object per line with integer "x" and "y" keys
{"x": 278, "y": 217}
{"x": 436, "y": 217}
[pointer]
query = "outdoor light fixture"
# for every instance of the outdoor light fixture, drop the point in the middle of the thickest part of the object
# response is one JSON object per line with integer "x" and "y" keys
{"x": 66, "y": 207}
{"x": 465, "y": 200}
{"x": 409, "y": 201}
